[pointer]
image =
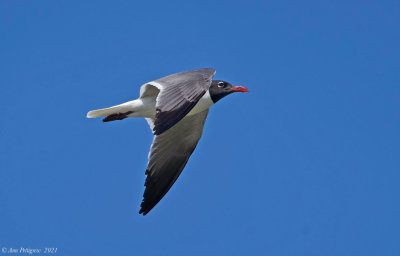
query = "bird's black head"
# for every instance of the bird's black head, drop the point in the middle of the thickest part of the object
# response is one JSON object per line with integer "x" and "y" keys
{"x": 220, "y": 89}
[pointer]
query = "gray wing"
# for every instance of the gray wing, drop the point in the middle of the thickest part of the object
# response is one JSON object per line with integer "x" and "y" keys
{"x": 168, "y": 156}
{"x": 179, "y": 93}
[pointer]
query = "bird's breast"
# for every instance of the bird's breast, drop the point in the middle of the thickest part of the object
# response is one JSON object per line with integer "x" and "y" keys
{"x": 204, "y": 103}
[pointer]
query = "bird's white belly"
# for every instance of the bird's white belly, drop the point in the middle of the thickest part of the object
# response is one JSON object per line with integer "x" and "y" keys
{"x": 143, "y": 107}
{"x": 204, "y": 103}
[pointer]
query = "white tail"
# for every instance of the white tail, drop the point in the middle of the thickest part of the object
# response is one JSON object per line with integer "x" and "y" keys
{"x": 124, "y": 107}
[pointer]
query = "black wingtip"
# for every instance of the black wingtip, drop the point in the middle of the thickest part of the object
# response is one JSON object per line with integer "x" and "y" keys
{"x": 146, "y": 206}
{"x": 142, "y": 212}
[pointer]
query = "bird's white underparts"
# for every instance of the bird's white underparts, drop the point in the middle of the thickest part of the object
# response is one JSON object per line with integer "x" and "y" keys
{"x": 175, "y": 107}
{"x": 146, "y": 106}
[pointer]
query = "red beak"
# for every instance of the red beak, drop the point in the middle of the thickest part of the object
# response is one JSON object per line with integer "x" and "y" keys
{"x": 239, "y": 89}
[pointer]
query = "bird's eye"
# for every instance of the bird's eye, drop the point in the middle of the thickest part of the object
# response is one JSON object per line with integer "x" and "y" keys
{"x": 221, "y": 84}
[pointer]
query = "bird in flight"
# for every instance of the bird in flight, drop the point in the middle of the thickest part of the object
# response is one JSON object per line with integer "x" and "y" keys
{"x": 176, "y": 108}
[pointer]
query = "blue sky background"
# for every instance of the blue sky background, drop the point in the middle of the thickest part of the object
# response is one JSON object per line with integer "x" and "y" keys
{"x": 307, "y": 163}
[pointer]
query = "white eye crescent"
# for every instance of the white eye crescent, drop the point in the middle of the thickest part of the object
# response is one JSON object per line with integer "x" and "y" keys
{"x": 221, "y": 84}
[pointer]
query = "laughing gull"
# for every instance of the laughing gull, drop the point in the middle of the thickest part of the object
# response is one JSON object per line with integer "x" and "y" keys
{"x": 176, "y": 108}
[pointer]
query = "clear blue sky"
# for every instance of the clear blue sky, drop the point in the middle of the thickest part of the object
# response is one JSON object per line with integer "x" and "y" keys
{"x": 307, "y": 163}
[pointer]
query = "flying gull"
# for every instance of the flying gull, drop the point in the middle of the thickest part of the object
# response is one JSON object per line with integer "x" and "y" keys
{"x": 176, "y": 108}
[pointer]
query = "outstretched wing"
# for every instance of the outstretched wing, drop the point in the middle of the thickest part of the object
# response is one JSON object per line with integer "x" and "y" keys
{"x": 168, "y": 156}
{"x": 178, "y": 94}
